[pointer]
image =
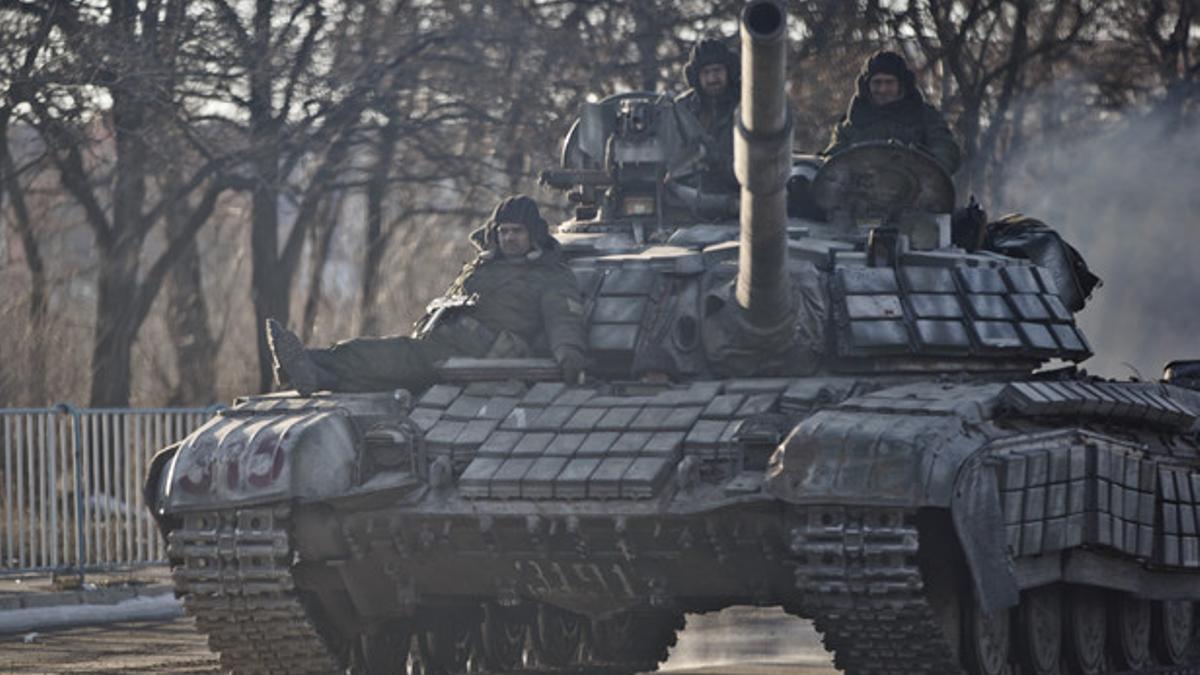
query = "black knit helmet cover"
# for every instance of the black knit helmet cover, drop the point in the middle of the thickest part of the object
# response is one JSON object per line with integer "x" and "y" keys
{"x": 890, "y": 63}
{"x": 518, "y": 209}
{"x": 706, "y": 52}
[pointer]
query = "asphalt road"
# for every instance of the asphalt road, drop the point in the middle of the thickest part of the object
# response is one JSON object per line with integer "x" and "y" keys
{"x": 733, "y": 642}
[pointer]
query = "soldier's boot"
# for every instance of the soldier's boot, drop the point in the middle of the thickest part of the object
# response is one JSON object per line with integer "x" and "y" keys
{"x": 291, "y": 362}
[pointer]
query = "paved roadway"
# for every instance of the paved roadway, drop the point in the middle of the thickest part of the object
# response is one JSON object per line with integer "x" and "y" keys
{"x": 733, "y": 642}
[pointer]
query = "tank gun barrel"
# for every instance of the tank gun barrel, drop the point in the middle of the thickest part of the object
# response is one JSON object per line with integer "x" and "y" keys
{"x": 762, "y": 150}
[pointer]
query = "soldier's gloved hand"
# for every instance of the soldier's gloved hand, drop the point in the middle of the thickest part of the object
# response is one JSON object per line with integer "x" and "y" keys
{"x": 571, "y": 362}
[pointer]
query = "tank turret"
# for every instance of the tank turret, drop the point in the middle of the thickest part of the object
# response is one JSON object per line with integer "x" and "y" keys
{"x": 814, "y": 264}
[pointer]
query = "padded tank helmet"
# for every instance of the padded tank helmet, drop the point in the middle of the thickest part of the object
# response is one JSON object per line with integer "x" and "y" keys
{"x": 709, "y": 51}
{"x": 516, "y": 209}
{"x": 889, "y": 63}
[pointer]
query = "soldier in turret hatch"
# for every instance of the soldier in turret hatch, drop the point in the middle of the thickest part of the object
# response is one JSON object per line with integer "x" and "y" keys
{"x": 516, "y": 299}
{"x": 705, "y": 112}
{"x": 888, "y": 105}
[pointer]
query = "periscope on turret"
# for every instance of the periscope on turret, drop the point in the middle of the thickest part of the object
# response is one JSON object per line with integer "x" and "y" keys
{"x": 869, "y": 418}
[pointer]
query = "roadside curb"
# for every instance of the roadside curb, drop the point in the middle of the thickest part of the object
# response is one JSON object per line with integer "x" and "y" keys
{"x": 42, "y": 611}
{"x": 98, "y": 596}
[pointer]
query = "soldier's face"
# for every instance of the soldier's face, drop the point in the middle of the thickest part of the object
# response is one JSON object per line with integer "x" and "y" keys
{"x": 884, "y": 88}
{"x": 513, "y": 239}
{"x": 713, "y": 79}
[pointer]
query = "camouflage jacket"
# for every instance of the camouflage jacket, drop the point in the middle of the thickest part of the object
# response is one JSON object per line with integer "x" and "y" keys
{"x": 710, "y": 128}
{"x": 522, "y": 307}
{"x": 911, "y": 121}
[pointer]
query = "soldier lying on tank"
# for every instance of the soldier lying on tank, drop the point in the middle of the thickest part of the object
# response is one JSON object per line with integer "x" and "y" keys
{"x": 706, "y": 112}
{"x": 889, "y": 106}
{"x": 517, "y": 298}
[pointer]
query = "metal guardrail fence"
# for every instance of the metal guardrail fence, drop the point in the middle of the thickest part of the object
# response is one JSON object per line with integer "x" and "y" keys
{"x": 72, "y": 485}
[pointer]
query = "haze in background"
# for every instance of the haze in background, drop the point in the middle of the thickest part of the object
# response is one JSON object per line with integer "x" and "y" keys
{"x": 1129, "y": 200}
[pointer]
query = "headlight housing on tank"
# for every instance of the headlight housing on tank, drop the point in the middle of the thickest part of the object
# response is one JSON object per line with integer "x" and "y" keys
{"x": 390, "y": 446}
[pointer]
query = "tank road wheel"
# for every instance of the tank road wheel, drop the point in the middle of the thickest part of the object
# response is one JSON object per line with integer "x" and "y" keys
{"x": 383, "y": 649}
{"x": 611, "y": 639}
{"x": 557, "y": 636}
{"x": 1173, "y": 624}
{"x": 456, "y": 644}
{"x": 503, "y": 638}
{"x": 1131, "y": 632}
{"x": 1040, "y": 626}
{"x": 1087, "y": 625}
{"x": 448, "y": 645}
{"x": 417, "y": 662}
{"x": 428, "y": 656}
{"x": 987, "y": 641}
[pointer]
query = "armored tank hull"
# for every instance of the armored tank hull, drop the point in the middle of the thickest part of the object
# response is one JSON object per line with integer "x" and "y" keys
{"x": 924, "y": 526}
{"x": 813, "y": 414}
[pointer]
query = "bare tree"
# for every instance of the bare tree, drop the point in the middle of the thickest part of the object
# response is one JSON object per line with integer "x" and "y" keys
{"x": 305, "y": 74}
{"x": 1152, "y": 59}
{"x": 105, "y": 63}
{"x": 187, "y": 320}
{"x": 988, "y": 50}
{"x": 371, "y": 136}
{"x": 17, "y": 65}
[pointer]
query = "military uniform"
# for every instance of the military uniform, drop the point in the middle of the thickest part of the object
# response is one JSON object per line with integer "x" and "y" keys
{"x": 707, "y": 122}
{"x": 517, "y": 308}
{"x": 910, "y": 120}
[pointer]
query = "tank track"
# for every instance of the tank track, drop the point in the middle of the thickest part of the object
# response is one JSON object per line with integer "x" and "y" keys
{"x": 860, "y": 583}
{"x": 234, "y": 577}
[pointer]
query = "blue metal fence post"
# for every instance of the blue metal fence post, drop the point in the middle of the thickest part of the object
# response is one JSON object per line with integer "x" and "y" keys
{"x": 118, "y": 505}
{"x": 77, "y": 443}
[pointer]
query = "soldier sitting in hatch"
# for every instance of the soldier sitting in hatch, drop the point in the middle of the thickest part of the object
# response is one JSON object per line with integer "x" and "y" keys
{"x": 706, "y": 112}
{"x": 889, "y": 106}
{"x": 515, "y": 299}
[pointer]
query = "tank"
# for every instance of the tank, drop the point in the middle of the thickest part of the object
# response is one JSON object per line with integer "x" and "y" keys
{"x": 803, "y": 394}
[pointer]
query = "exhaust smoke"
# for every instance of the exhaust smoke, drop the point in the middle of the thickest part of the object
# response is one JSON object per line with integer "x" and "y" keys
{"x": 1129, "y": 200}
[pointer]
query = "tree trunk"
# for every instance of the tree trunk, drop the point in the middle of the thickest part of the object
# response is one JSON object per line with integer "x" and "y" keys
{"x": 116, "y": 322}
{"x": 377, "y": 190}
{"x": 115, "y": 328}
{"x": 1169, "y": 112}
{"x": 187, "y": 320}
{"x": 269, "y": 283}
{"x": 646, "y": 38}
{"x": 322, "y": 242}
{"x": 968, "y": 130}
{"x": 36, "y": 390}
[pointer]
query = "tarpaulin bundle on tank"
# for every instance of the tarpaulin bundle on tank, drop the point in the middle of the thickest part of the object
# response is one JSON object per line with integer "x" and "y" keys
{"x": 1020, "y": 236}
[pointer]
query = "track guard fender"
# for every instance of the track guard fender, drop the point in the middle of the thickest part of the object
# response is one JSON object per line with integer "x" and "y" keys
{"x": 979, "y": 523}
{"x": 237, "y": 460}
{"x": 152, "y": 489}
